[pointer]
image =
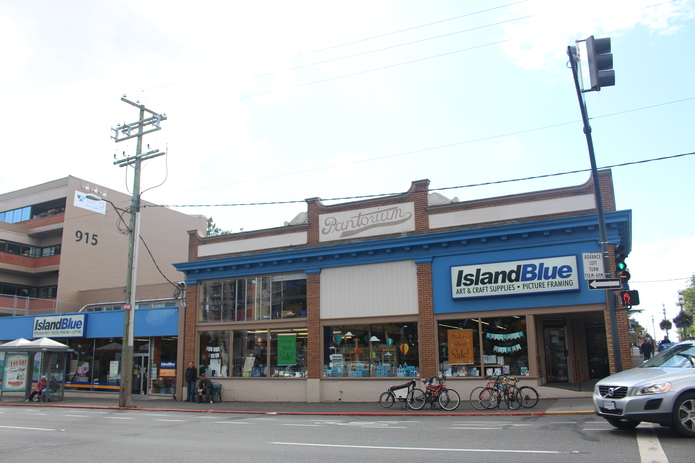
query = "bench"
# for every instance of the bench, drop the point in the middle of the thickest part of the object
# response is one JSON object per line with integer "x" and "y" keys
{"x": 216, "y": 391}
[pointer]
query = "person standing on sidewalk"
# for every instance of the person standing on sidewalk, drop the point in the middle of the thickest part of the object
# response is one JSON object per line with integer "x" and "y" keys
{"x": 191, "y": 376}
{"x": 647, "y": 348}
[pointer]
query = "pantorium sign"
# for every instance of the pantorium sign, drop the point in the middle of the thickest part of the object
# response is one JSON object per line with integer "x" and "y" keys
{"x": 373, "y": 221}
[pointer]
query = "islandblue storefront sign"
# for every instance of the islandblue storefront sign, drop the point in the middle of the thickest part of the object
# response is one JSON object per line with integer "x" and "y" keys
{"x": 516, "y": 277}
{"x": 64, "y": 326}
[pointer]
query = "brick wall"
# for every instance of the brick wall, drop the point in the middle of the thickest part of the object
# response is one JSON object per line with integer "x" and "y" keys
{"x": 314, "y": 347}
{"x": 426, "y": 326}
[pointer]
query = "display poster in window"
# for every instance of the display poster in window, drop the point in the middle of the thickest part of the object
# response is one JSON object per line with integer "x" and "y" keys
{"x": 167, "y": 369}
{"x": 460, "y": 347}
{"x": 248, "y": 363}
{"x": 16, "y": 372}
{"x": 114, "y": 369}
{"x": 287, "y": 350}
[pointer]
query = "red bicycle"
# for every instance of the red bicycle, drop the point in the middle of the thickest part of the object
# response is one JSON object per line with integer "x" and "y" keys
{"x": 435, "y": 393}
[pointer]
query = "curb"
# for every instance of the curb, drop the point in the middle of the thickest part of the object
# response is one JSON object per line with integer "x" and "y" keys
{"x": 248, "y": 412}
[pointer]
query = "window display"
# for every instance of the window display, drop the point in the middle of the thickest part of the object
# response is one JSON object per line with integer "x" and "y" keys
{"x": 379, "y": 350}
{"x": 214, "y": 353}
{"x": 483, "y": 347}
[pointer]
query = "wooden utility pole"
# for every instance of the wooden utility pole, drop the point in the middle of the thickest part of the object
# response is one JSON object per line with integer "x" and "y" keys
{"x": 124, "y": 132}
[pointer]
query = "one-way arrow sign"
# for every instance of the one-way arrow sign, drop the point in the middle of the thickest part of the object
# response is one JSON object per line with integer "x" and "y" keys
{"x": 608, "y": 283}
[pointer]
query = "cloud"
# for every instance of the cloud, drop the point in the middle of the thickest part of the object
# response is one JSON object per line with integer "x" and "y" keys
{"x": 541, "y": 40}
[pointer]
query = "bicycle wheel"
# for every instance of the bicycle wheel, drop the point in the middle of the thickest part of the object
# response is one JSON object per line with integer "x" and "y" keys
{"x": 527, "y": 397}
{"x": 416, "y": 399}
{"x": 477, "y": 396}
{"x": 511, "y": 398}
{"x": 449, "y": 399}
{"x": 387, "y": 399}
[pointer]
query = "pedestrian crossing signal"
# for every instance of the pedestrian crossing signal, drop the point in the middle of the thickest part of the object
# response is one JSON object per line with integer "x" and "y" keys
{"x": 629, "y": 298}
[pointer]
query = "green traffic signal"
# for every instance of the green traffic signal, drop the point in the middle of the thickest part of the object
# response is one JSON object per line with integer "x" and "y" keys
{"x": 620, "y": 265}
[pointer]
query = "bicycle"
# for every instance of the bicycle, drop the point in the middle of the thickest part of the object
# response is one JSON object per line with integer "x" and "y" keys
{"x": 498, "y": 388}
{"x": 393, "y": 393}
{"x": 527, "y": 397}
{"x": 435, "y": 393}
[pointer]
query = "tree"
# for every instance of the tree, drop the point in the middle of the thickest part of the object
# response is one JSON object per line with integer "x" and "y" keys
{"x": 684, "y": 319}
{"x": 213, "y": 230}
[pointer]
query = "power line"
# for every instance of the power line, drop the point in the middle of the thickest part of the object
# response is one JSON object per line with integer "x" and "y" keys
{"x": 448, "y": 145}
{"x": 662, "y": 281}
{"x": 417, "y": 60}
{"x": 496, "y": 182}
{"x": 401, "y": 45}
{"x": 420, "y": 26}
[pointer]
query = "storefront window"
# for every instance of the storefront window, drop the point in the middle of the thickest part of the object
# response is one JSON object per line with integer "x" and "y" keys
{"x": 268, "y": 297}
{"x": 459, "y": 349}
{"x": 483, "y": 347}
{"x": 106, "y": 372}
{"x": 288, "y": 353}
{"x": 214, "y": 353}
{"x": 80, "y": 367}
{"x": 379, "y": 350}
{"x": 163, "y": 365}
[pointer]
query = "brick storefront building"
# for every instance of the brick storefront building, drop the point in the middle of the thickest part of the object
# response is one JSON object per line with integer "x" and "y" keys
{"x": 338, "y": 303}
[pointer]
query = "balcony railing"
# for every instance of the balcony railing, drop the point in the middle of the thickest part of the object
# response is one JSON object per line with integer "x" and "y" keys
{"x": 20, "y": 305}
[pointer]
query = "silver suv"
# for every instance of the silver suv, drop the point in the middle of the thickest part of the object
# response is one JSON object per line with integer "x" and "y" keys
{"x": 661, "y": 390}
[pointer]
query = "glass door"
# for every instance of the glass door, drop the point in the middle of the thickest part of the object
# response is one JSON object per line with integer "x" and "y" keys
{"x": 140, "y": 373}
{"x": 556, "y": 362}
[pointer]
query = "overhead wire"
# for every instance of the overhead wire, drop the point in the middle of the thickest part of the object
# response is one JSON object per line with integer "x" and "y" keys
{"x": 448, "y": 145}
{"x": 426, "y": 58}
{"x": 495, "y": 182}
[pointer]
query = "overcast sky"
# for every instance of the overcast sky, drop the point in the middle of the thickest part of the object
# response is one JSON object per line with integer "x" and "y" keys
{"x": 279, "y": 101}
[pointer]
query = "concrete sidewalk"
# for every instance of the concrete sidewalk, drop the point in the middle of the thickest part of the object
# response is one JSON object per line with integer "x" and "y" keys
{"x": 166, "y": 403}
{"x": 574, "y": 405}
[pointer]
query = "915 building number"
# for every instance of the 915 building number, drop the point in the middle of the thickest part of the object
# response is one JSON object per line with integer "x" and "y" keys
{"x": 87, "y": 237}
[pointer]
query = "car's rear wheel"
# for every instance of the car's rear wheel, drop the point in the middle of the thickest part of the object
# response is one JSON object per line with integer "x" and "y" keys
{"x": 683, "y": 420}
{"x": 622, "y": 423}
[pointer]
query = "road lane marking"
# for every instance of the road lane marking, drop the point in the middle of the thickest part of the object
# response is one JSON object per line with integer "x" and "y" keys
{"x": 21, "y": 428}
{"x": 428, "y": 449}
{"x": 477, "y": 429}
{"x": 650, "y": 450}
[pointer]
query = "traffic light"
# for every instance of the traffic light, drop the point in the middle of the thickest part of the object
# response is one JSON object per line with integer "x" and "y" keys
{"x": 600, "y": 59}
{"x": 629, "y": 298}
{"x": 620, "y": 265}
{"x": 681, "y": 299}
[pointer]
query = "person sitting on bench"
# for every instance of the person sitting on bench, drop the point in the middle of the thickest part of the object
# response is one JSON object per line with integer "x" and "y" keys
{"x": 205, "y": 388}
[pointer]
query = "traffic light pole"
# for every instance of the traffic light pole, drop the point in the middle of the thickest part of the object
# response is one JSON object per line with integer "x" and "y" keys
{"x": 615, "y": 334}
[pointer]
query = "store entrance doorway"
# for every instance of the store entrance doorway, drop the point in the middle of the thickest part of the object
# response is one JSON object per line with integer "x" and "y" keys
{"x": 597, "y": 350}
{"x": 140, "y": 374}
{"x": 556, "y": 361}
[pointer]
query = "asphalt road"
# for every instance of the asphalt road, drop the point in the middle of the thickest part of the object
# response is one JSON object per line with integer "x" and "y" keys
{"x": 72, "y": 435}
